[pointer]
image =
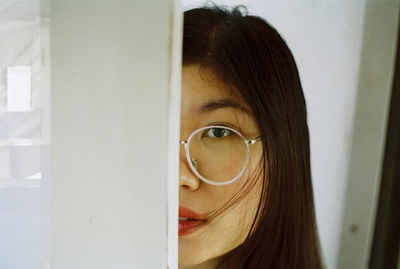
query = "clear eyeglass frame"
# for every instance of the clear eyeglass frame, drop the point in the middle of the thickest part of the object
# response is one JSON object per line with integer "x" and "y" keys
{"x": 191, "y": 162}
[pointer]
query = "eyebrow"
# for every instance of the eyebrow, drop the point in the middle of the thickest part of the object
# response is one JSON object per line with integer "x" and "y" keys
{"x": 221, "y": 103}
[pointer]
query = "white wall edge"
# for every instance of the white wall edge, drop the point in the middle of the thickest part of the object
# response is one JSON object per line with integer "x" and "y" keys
{"x": 176, "y": 24}
{"x": 369, "y": 132}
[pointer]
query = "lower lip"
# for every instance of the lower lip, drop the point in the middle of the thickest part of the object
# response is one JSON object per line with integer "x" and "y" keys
{"x": 189, "y": 226}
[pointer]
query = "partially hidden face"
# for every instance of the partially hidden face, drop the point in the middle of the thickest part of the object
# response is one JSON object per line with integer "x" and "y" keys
{"x": 207, "y": 101}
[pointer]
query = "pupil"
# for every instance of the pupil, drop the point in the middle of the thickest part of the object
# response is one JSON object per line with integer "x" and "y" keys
{"x": 218, "y": 132}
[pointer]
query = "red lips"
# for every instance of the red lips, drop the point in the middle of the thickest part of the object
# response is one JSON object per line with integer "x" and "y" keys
{"x": 187, "y": 213}
{"x": 194, "y": 221}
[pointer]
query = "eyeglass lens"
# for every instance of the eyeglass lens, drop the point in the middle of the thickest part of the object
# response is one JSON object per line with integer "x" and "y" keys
{"x": 218, "y": 154}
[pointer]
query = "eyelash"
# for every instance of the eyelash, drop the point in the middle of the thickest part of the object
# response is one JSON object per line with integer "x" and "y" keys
{"x": 227, "y": 125}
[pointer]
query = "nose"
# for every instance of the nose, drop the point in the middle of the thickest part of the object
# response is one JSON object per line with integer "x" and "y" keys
{"x": 187, "y": 179}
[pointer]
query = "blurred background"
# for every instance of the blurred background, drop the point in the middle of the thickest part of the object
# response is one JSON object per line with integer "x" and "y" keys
{"x": 24, "y": 132}
{"x": 346, "y": 55}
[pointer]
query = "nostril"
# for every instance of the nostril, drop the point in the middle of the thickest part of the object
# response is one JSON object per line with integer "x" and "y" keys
{"x": 188, "y": 181}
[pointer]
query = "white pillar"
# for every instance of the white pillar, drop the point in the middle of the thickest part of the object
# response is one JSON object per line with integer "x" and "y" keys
{"x": 111, "y": 66}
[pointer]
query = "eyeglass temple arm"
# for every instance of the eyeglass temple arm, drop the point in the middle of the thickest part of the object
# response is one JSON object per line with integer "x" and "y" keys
{"x": 254, "y": 140}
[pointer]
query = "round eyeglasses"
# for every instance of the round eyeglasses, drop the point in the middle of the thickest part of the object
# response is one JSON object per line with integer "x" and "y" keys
{"x": 218, "y": 154}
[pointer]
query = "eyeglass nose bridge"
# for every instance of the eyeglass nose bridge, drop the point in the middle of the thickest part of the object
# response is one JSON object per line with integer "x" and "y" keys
{"x": 193, "y": 161}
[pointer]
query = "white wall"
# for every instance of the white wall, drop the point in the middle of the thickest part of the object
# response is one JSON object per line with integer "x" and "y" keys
{"x": 110, "y": 71}
{"x": 369, "y": 132}
{"x": 326, "y": 38}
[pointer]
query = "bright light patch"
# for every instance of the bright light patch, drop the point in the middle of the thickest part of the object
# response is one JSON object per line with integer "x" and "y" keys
{"x": 19, "y": 87}
{"x": 35, "y": 176}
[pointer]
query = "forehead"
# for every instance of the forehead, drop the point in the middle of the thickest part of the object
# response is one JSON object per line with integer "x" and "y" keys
{"x": 200, "y": 86}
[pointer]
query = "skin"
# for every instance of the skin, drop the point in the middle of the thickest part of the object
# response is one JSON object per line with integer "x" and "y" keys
{"x": 205, "y": 247}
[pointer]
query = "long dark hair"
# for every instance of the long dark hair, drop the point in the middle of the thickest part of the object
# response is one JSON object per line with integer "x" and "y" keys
{"x": 247, "y": 53}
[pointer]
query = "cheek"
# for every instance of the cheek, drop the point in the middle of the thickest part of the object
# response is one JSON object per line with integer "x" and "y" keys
{"x": 247, "y": 191}
{"x": 247, "y": 188}
{"x": 235, "y": 223}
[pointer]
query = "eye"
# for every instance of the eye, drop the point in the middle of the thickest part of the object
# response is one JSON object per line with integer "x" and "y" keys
{"x": 217, "y": 132}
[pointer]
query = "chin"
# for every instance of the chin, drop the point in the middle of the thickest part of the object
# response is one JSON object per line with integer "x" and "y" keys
{"x": 198, "y": 256}
{"x": 190, "y": 258}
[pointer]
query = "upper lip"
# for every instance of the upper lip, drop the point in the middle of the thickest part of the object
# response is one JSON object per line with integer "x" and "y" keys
{"x": 187, "y": 213}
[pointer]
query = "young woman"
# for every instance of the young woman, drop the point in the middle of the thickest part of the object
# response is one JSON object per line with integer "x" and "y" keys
{"x": 246, "y": 197}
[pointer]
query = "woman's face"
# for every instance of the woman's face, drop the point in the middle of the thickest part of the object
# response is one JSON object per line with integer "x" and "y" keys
{"x": 208, "y": 101}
